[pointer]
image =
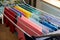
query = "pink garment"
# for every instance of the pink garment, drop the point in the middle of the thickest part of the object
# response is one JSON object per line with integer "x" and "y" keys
{"x": 30, "y": 25}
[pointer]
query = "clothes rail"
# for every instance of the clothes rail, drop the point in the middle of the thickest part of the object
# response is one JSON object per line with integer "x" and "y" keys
{"x": 28, "y": 34}
{"x": 52, "y": 19}
{"x": 21, "y": 29}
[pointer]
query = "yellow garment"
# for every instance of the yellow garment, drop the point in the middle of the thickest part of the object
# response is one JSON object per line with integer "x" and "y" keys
{"x": 25, "y": 12}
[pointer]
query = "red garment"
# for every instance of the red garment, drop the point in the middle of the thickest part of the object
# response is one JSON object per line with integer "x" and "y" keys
{"x": 11, "y": 15}
{"x": 20, "y": 34}
{"x": 6, "y": 21}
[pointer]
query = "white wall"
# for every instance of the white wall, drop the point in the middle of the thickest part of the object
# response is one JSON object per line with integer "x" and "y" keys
{"x": 48, "y": 8}
{"x": 38, "y": 4}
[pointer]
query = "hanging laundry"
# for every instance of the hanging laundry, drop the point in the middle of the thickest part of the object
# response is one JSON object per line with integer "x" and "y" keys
{"x": 46, "y": 23}
{"x": 32, "y": 15}
{"x": 32, "y": 10}
{"x": 50, "y": 25}
{"x": 28, "y": 19}
{"x": 29, "y": 25}
{"x": 26, "y": 13}
{"x": 16, "y": 12}
{"x": 10, "y": 13}
{"x": 27, "y": 8}
{"x": 20, "y": 33}
{"x": 12, "y": 16}
{"x": 34, "y": 28}
{"x": 55, "y": 28}
{"x": 51, "y": 19}
{"x": 31, "y": 19}
{"x": 38, "y": 12}
{"x": 6, "y": 21}
{"x": 44, "y": 28}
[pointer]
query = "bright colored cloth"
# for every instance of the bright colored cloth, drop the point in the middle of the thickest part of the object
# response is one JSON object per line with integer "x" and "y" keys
{"x": 26, "y": 13}
{"x": 10, "y": 14}
{"x": 27, "y": 25}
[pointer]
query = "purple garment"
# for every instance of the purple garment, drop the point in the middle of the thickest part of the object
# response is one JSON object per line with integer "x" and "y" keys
{"x": 17, "y": 12}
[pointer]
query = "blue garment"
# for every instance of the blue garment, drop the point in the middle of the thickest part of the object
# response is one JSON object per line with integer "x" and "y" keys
{"x": 46, "y": 23}
{"x": 45, "y": 29}
{"x": 55, "y": 28}
{"x": 51, "y": 19}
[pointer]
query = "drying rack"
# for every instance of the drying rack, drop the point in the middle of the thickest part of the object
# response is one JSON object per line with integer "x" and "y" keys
{"x": 56, "y": 33}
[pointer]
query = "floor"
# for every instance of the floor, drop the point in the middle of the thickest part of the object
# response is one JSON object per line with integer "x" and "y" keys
{"x": 5, "y": 34}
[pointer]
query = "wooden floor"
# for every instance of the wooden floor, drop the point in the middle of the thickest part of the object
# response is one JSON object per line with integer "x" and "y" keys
{"x": 5, "y": 34}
